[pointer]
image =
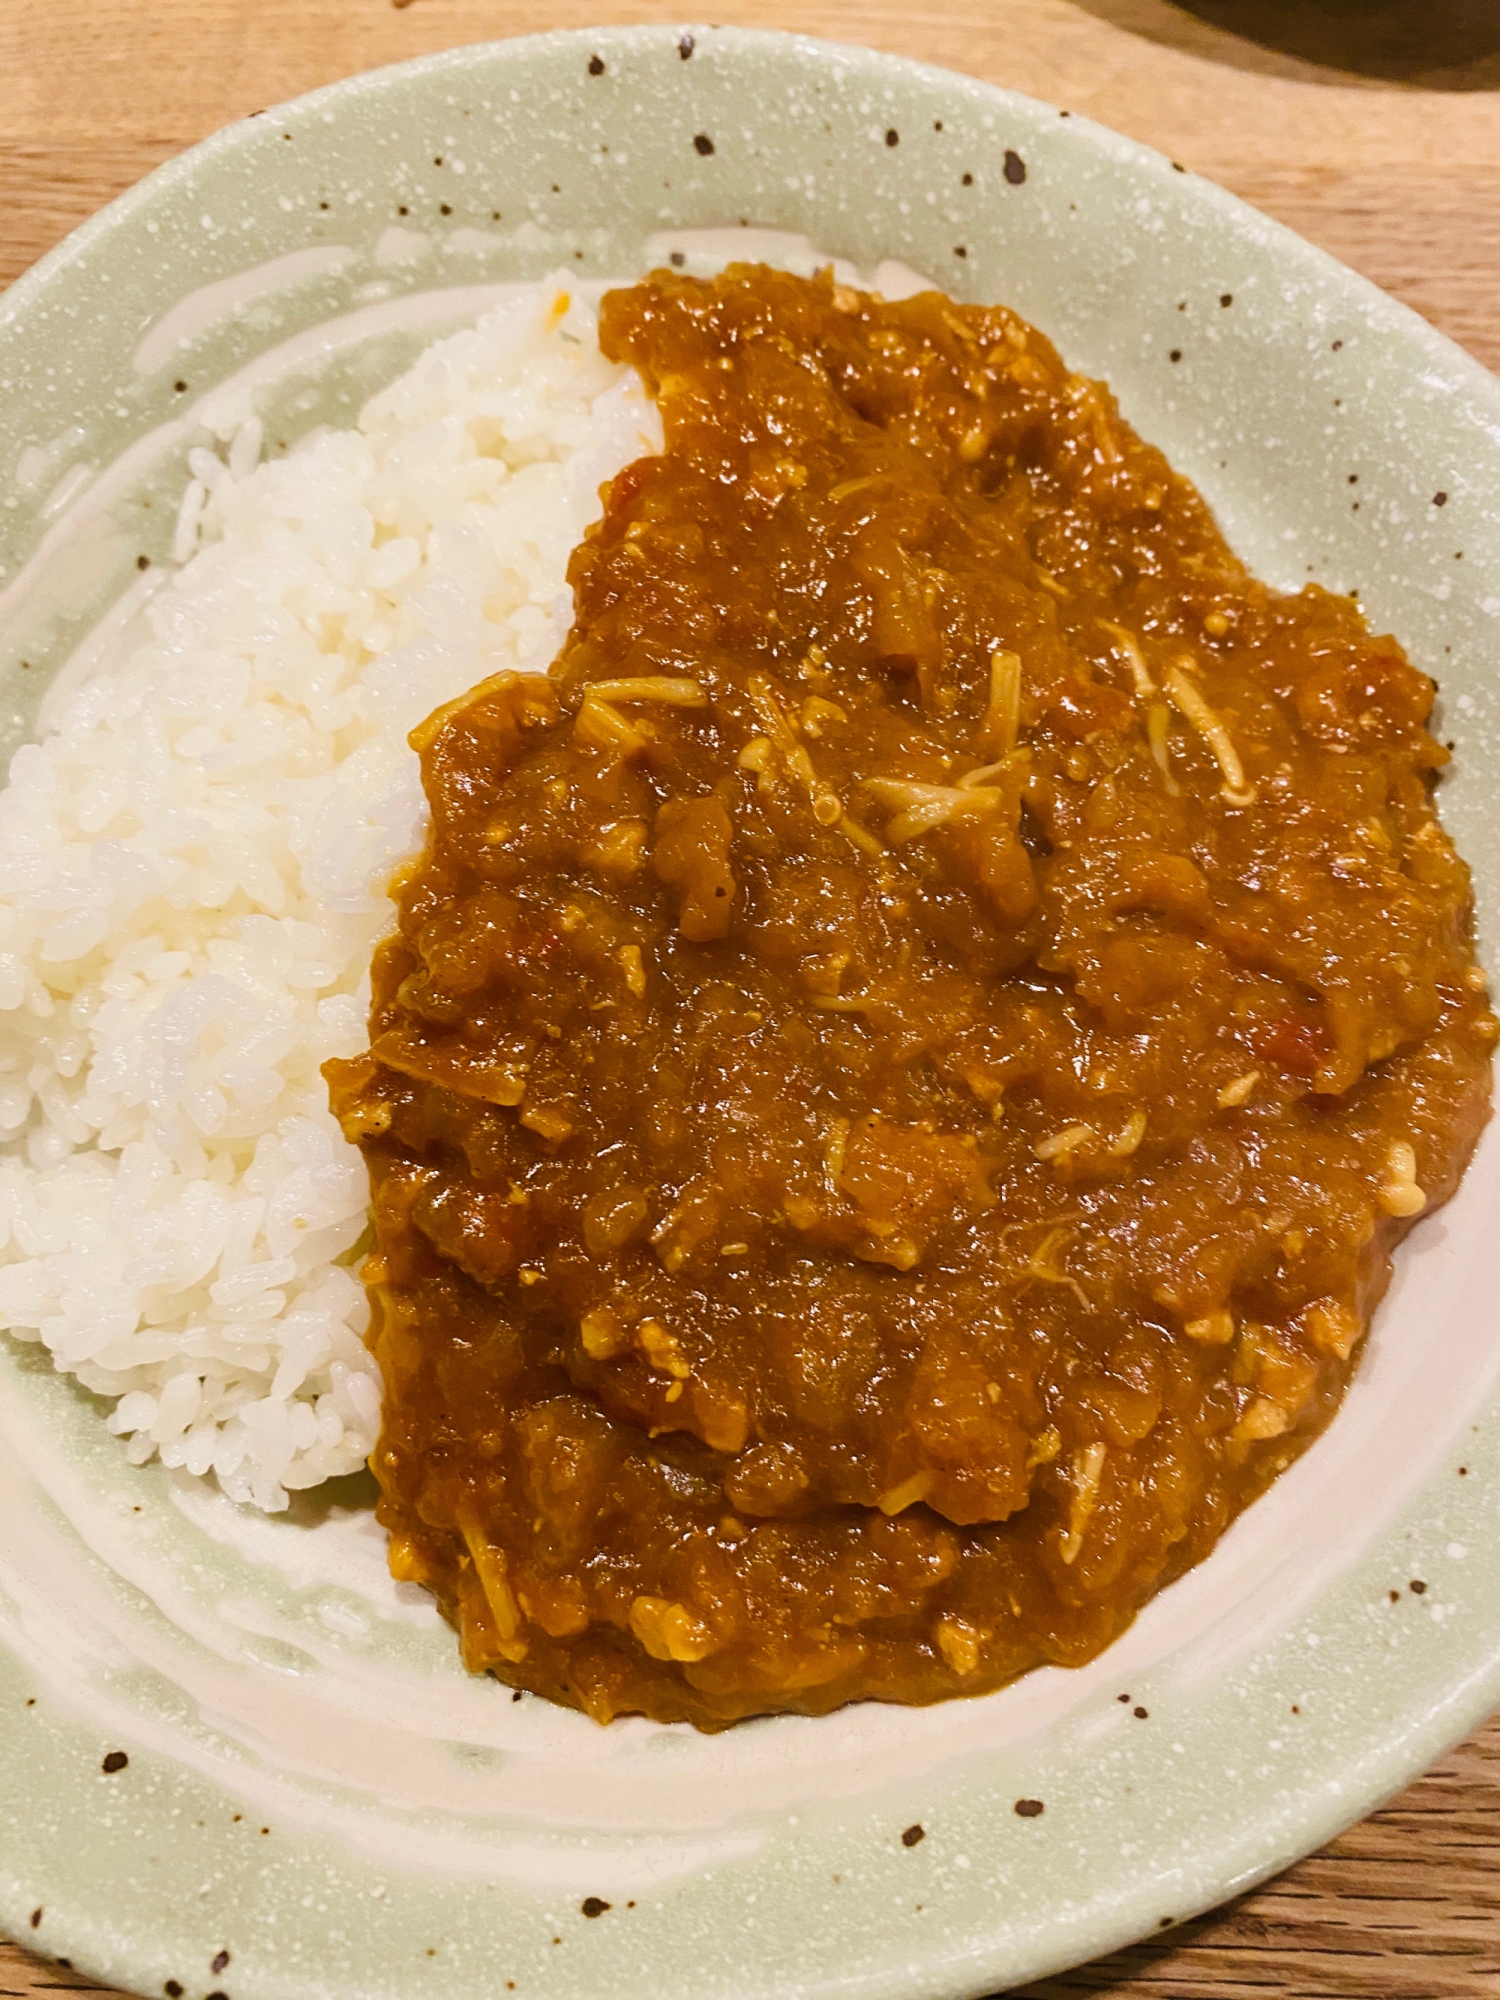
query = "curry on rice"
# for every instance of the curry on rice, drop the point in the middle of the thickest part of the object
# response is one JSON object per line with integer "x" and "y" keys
{"x": 906, "y": 1056}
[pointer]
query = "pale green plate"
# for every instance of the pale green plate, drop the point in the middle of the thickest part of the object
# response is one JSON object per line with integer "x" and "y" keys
{"x": 313, "y": 1786}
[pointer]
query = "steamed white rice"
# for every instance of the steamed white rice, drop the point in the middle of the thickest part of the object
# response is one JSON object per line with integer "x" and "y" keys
{"x": 193, "y": 870}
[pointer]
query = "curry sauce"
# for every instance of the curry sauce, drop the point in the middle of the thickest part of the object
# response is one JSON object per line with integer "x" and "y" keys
{"x": 906, "y": 1055}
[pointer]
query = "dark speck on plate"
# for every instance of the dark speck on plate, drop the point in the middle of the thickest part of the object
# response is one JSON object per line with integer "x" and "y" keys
{"x": 677, "y": 260}
{"x": 596, "y": 65}
{"x": 968, "y": 180}
{"x": 1141, "y": 1714}
{"x": 1175, "y": 355}
{"x": 1226, "y": 298}
{"x": 703, "y": 143}
{"x": 143, "y": 562}
{"x": 593, "y": 1906}
{"x": 1417, "y": 1586}
{"x": 117, "y": 1760}
{"x": 445, "y": 208}
{"x": 1439, "y": 499}
{"x": 685, "y": 47}
{"x": 892, "y": 136}
{"x": 180, "y": 387}
{"x": 1029, "y": 1808}
{"x": 1015, "y": 167}
{"x": 960, "y": 250}
{"x": 219, "y": 1962}
{"x": 915, "y": 1832}
{"x": 1337, "y": 345}
{"x": 172, "y": 1990}
{"x": 36, "y": 1918}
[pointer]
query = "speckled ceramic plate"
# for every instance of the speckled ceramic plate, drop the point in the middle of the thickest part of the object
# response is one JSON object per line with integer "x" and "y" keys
{"x": 235, "y": 1756}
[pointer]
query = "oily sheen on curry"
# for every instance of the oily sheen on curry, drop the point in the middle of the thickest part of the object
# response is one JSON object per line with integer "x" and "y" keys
{"x": 905, "y": 1056}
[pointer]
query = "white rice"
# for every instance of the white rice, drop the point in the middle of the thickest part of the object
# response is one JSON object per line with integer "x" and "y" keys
{"x": 193, "y": 870}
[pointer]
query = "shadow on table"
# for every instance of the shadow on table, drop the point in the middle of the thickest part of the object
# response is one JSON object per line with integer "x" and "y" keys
{"x": 1427, "y": 44}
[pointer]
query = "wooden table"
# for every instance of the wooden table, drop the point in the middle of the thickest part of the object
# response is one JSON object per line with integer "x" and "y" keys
{"x": 1400, "y": 180}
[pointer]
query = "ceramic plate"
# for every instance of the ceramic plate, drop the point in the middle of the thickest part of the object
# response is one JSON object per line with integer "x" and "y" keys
{"x": 314, "y": 1799}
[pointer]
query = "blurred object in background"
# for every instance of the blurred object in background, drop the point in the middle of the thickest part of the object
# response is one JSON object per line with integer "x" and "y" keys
{"x": 1432, "y": 44}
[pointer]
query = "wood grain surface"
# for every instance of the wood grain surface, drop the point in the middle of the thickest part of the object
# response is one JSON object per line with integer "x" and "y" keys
{"x": 1377, "y": 136}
